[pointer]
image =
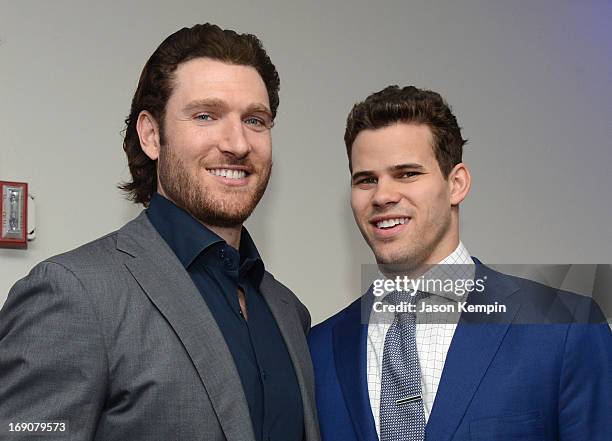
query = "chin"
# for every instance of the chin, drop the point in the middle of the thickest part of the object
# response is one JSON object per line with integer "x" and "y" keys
{"x": 396, "y": 254}
{"x": 389, "y": 257}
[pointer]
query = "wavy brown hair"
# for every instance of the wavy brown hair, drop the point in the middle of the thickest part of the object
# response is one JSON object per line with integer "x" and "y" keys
{"x": 409, "y": 105}
{"x": 156, "y": 84}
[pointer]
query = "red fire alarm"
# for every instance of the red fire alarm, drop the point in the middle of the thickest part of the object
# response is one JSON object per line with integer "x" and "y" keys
{"x": 14, "y": 214}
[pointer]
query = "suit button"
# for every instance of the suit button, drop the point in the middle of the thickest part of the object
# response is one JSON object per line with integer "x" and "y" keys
{"x": 264, "y": 374}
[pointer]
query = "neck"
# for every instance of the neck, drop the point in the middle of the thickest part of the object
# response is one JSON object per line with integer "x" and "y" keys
{"x": 448, "y": 243}
{"x": 415, "y": 270}
{"x": 231, "y": 235}
{"x": 443, "y": 251}
{"x": 417, "y": 267}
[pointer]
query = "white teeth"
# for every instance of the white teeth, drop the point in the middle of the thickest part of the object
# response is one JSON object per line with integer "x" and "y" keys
{"x": 388, "y": 223}
{"x": 227, "y": 173}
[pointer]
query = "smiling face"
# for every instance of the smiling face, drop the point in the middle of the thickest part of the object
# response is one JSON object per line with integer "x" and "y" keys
{"x": 215, "y": 150}
{"x": 405, "y": 208}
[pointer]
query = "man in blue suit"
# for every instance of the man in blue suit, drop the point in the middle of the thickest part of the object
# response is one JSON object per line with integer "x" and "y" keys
{"x": 540, "y": 368}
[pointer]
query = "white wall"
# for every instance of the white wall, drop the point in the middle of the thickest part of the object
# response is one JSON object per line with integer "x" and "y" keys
{"x": 529, "y": 82}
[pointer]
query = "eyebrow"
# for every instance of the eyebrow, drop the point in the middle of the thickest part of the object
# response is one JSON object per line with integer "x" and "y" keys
{"x": 206, "y": 102}
{"x": 259, "y": 108}
{"x": 395, "y": 168}
{"x": 223, "y": 106}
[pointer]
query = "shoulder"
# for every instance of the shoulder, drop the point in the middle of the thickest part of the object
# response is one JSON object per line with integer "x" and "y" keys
{"x": 97, "y": 267}
{"x": 71, "y": 267}
{"x": 323, "y": 331}
{"x": 110, "y": 248}
{"x": 543, "y": 304}
{"x": 270, "y": 283}
{"x": 96, "y": 252}
{"x": 561, "y": 306}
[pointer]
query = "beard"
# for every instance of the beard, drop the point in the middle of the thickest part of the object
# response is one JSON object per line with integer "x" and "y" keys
{"x": 226, "y": 209}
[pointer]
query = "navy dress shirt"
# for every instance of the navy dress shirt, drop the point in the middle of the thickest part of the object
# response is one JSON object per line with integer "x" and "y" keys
{"x": 259, "y": 351}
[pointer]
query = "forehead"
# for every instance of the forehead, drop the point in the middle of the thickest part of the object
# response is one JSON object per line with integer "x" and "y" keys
{"x": 399, "y": 143}
{"x": 204, "y": 78}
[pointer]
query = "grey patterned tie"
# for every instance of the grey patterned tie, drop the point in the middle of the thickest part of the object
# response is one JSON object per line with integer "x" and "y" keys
{"x": 402, "y": 417}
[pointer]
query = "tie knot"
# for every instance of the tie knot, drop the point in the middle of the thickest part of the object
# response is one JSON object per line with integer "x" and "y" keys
{"x": 405, "y": 314}
{"x": 403, "y": 297}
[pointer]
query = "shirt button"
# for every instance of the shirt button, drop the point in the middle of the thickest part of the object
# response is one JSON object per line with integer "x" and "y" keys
{"x": 222, "y": 253}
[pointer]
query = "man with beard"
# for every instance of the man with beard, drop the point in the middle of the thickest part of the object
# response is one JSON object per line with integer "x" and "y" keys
{"x": 170, "y": 328}
{"x": 540, "y": 370}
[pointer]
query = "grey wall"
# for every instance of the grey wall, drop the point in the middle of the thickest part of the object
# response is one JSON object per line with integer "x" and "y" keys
{"x": 528, "y": 80}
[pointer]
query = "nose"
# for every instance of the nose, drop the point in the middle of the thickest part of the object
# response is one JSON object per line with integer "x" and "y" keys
{"x": 385, "y": 194}
{"x": 233, "y": 140}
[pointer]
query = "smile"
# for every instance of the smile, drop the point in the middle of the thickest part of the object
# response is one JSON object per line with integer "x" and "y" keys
{"x": 389, "y": 227}
{"x": 228, "y": 173}
{"x": 390, "y": 223}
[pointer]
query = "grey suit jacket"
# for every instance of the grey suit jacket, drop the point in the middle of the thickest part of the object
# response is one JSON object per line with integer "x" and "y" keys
{"x": 114, "y": 339}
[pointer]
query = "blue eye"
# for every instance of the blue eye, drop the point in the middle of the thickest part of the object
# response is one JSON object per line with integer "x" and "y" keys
{"x": 255, "y": 122}
{"x": 203, "y": 117}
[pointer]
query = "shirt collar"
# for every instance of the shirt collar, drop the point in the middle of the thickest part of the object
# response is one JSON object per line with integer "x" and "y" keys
{"x": 250, "y": 260}
{"x": 461, "y": 256}
{"x": 458, "y": 265}
{"x": 188, "y": 238}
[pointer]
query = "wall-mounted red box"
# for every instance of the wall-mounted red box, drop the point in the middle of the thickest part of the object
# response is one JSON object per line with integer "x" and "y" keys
{"x": 13, "y": 214}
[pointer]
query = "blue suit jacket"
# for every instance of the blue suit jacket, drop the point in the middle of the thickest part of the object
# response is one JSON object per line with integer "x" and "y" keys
{"x": 501, "y": 380}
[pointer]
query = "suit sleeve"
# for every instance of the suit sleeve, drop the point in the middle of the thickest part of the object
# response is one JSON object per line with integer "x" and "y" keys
{"x": 53, "y": 365}
{"x": 585, "y": 393}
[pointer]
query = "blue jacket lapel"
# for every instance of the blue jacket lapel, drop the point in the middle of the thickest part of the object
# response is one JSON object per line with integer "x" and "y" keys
{"x": 350, "y": 356}
{"x": 471, "y": 351}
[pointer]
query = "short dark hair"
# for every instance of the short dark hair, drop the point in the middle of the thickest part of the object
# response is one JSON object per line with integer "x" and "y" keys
{"x": 409, "y": 105}
{"x": 156, "y": 84}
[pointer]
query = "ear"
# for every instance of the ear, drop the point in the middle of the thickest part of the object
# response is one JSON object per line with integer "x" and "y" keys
{"x": 459, "y": 181}
{"x": 148, "y": 133}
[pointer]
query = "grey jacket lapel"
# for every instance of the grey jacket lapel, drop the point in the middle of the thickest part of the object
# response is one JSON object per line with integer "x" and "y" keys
{"x": 164, "y": 280}
{"x": 290, "y": 328}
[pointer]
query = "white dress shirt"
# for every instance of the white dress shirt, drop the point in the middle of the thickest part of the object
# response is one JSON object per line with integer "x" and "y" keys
{"x": 432, "y": 341}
